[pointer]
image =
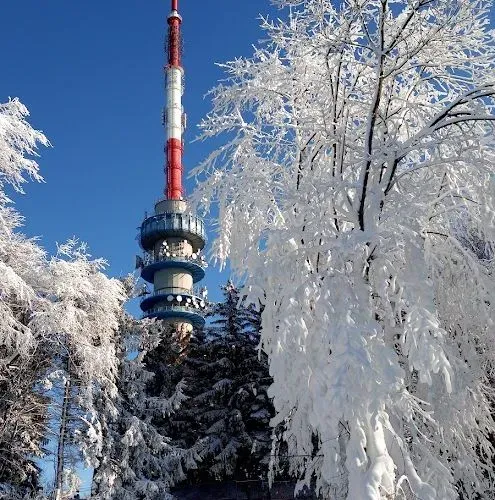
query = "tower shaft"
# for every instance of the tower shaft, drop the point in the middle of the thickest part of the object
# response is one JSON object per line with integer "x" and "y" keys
{"x": 173, "y": 238}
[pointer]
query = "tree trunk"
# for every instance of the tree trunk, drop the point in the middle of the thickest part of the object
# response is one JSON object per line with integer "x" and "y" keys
{"x": 57, "y": 495}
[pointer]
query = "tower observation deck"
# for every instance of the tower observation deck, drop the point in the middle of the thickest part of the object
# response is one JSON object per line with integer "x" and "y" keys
{"x": 172, "y": 238}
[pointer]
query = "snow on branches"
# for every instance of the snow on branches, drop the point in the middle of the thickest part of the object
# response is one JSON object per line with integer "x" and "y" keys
{"x": 58, "y": 320}
{"x": 22, "y": 268}
{"x": 137, "y": 460}
{"x": 18, "y": 144}
{"x": 355, "y": 187}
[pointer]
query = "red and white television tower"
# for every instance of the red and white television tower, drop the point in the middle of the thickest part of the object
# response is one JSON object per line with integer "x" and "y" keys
{"x": 172, "y": 238}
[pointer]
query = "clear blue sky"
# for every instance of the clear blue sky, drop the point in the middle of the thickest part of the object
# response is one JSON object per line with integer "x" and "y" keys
{"x": 91, "y": 74}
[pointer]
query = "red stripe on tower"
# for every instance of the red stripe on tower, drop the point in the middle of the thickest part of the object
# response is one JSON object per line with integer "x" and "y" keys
{"x": 174, "y": 120}
{"x": 174, "y": 175}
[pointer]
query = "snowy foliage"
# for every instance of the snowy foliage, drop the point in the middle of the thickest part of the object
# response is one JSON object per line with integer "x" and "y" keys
{"x": 227, "y": 410}
{"x": 81, "y": 320}
{"x": 16, "y": 493}
{"x": 137, "y": 460}
{"x": 22, "y": 359}
{"x": 58, "y": 319}
{"x": 83, "y": 312}
{"x": 21, "y": 260}
{"x": 187, "y": 416}
{"x": 359, "y": 143}
{"x": 18, "y": 144}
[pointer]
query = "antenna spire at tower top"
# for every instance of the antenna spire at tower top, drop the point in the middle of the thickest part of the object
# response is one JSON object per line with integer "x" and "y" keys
{"x": 174, "y": 118}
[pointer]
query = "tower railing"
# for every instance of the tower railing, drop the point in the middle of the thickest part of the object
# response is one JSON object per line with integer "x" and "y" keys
{"x": 166, "y": 255}
{"x": 176, "y": 306}
{"x": 197, "y": 292}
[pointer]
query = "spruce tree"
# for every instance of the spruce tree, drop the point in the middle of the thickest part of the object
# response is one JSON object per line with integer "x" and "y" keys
{"x": 227, "y": 410}
{"x": 137, "y": 461}
{"x": 192, "y": 416}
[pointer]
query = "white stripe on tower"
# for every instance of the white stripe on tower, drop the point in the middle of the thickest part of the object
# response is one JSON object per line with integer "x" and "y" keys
{"x": 174, "y": 103}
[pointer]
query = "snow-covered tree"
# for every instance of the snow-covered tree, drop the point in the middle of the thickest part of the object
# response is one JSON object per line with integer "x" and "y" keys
{"x": 231, "y": 318}
{"x": 23, "y": 420}
{"x": 227, "y": 410}
{"x": 58, "y": 320}
{"x": 137, "y": 460}
{"x": 192, "y": 417}
{"x": 23, "y": 360}
{"x": 81, "y": 319}
{"x": 71, "y": 330}
{"x": 22, "y": 261}
{"x": 18, "y": 145}
{"x": 359, "y": 141}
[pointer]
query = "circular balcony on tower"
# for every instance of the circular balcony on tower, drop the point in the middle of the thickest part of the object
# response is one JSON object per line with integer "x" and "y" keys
{"x": 176, "y": 304}
{"x": 172, "y": 225}
{"x": 154, "y": 261}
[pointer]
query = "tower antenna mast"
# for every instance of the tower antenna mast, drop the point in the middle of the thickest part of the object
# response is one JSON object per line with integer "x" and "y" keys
{"x": 174, "y": 120}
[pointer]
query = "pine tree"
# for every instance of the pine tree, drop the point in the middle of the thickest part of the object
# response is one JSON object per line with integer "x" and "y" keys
{"x": 187, "y": 419}
{"x": 137, "y": 461}
{"x": 227, "y": 410}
